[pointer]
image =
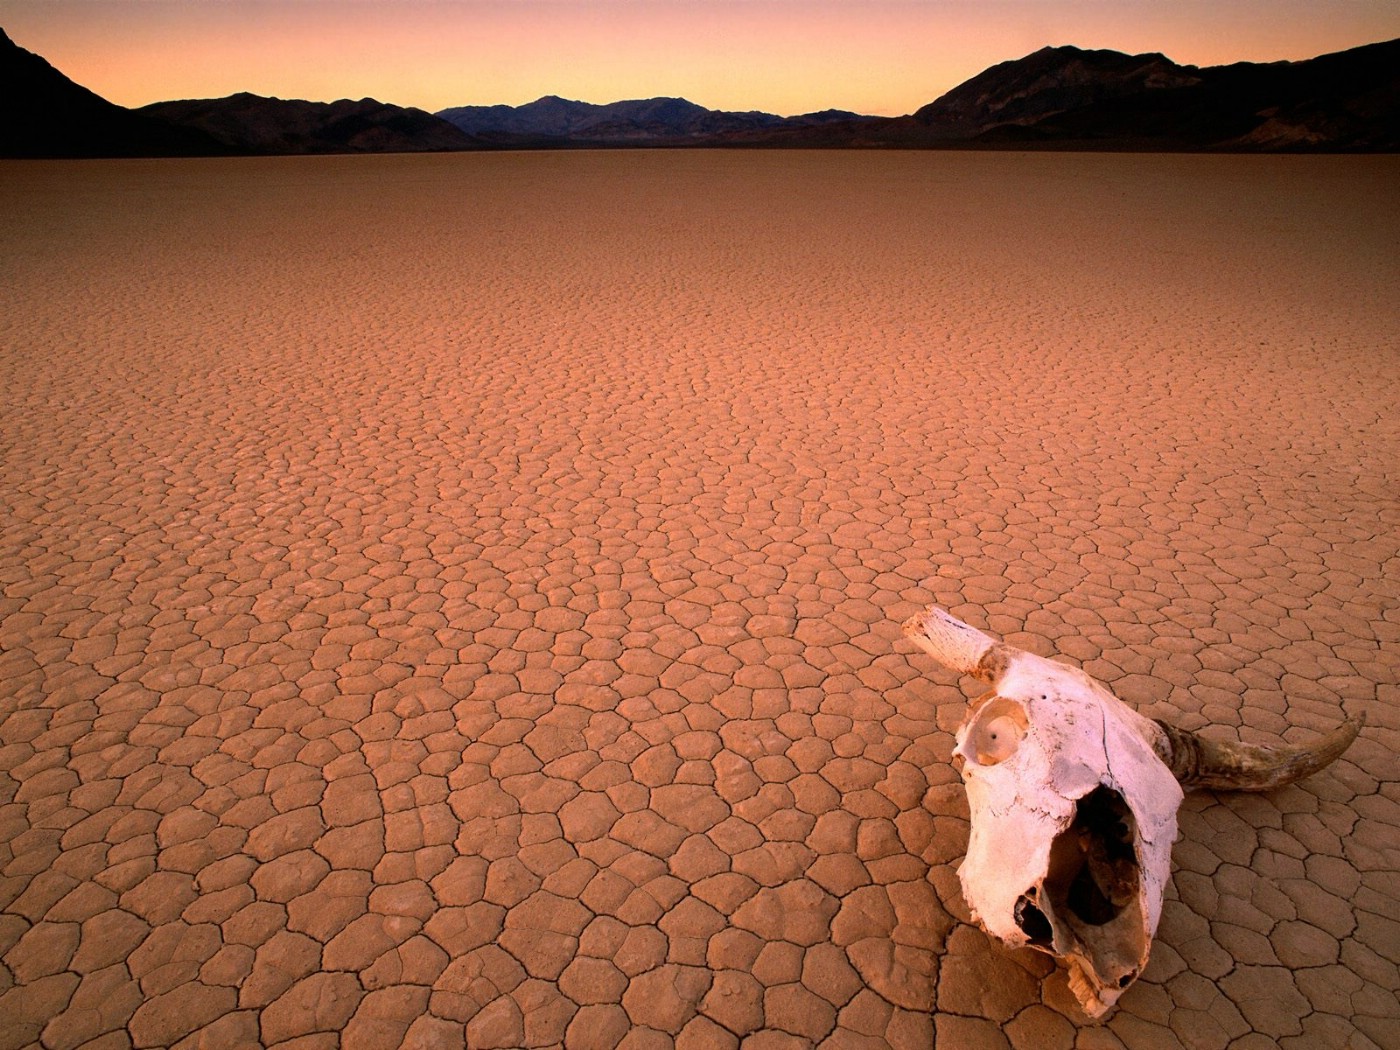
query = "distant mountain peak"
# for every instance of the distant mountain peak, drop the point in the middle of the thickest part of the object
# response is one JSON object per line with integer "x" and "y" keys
{"x": 554, "y": 120}
{"x": 1072, "y": 96}
{"x": 1052, "y": 80}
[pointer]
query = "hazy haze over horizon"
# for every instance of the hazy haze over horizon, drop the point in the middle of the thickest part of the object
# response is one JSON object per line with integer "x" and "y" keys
{"x": 888, "y": 57}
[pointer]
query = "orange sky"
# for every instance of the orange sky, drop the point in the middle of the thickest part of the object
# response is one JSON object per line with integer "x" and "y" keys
{"x": 784, "y": 56}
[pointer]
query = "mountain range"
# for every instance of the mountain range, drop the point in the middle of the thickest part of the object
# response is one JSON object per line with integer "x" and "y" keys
{"x": 1348, "y": 101}
{"x": 553, "y": 121}
{"x": 247, "y": 123}
{"x": 1055, "y": 98}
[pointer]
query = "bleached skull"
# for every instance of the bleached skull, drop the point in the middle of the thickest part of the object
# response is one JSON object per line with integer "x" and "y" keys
{"x": 1073, "y": 797}
{"x": 1073, "y": 820}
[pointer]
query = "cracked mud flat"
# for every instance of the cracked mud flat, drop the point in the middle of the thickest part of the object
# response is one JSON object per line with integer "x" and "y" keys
{"x": 456, "y": 600}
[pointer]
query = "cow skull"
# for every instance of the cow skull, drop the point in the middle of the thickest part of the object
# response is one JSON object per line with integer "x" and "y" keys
{"x": 1073, "y": 797}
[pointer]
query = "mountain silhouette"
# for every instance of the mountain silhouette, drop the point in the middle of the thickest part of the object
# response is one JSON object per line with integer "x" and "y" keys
{"x": 1055, "y": 98}
{"x": 1066, "y": 96}
{"x": 47, "y": 115}
{"x": 254, "y": 124}
{"x": 1052, "y": 80}
{"x": 554, "y": 120}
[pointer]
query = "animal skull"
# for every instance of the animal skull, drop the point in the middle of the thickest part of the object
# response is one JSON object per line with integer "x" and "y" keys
{"x": 1073, "y": 797}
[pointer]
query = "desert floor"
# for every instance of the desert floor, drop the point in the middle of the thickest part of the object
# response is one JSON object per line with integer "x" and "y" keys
{"x": 457, "y": 598}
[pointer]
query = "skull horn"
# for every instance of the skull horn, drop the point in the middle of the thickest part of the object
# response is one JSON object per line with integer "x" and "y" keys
{"x": 1226, "y": 765}
{"x": 958, "y": 646}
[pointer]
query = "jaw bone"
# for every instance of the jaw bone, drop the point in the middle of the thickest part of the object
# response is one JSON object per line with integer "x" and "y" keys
{"x": 1073, "y": 797}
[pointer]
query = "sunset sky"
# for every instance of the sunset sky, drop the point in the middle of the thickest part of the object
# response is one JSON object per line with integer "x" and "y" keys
{"x": 883, "y": 57}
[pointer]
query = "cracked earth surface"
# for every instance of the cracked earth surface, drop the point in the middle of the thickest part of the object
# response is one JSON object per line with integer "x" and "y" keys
{"x": 455, "y": 601}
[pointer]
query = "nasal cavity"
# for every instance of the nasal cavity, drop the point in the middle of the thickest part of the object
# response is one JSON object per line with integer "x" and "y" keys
{"x": 1032, "y": 920}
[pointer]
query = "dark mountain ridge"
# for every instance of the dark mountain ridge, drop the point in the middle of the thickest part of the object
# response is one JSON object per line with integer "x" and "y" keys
{"x": 1066, "y": 96}
{"x": 651, "y": 121}
{"x": 47, "y": 115}
{"x": 248, "y": 123}
{"x": 1055, "y": 98}
{"x": 1052, "y": 80}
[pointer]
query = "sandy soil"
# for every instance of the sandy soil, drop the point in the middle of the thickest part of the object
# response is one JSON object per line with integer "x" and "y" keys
{"x": 457, "y": 598}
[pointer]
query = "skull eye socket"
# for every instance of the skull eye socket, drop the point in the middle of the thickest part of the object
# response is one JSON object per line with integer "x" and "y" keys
{"x": 997, "y": 731}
